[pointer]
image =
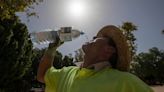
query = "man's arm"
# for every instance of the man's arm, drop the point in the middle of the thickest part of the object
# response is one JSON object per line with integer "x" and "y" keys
{"x": 47, "y": 60}
{"x": 45, "y": 63}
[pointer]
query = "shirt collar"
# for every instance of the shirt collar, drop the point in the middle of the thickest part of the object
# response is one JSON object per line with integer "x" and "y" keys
{"x": 99, "y": 66}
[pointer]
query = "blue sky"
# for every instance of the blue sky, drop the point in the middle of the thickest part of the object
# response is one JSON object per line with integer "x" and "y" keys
{"x": 148, "y": 15}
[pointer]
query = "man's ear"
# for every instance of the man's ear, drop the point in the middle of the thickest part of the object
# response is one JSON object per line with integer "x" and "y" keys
{"x": 113, "y": 49}
{"x": 110, "y": 49}
{"x": 107, "y": 53}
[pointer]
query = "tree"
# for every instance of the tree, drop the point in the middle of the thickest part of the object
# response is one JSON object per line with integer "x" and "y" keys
{"x": 150, "y": 66}
{"x": 68, "y": 61}
{"x": 128, "y": 28}
{"x": 60, "y": 62}
{"x": 15, "y": 52}
{"x": 15, "y": 45}
{"x": 79, "y": 55}
{"x": 8, "y": 8}
{"x": 31, "y": 74}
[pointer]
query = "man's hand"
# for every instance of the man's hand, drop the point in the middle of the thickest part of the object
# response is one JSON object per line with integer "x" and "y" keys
{"x": 55, "y": 44}
{"x": 47, "y": 60}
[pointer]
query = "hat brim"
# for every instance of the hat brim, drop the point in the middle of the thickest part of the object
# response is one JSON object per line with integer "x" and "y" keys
{"x": 123, "y": 52}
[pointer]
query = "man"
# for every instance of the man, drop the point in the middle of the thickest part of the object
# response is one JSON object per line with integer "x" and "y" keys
{"x": 106, "y": 62}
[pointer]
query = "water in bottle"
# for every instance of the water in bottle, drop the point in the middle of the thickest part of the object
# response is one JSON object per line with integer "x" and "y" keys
{"x": 45, "y": 37}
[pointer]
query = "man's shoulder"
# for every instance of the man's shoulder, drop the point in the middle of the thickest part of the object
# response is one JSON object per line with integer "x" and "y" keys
{"x": 63, "y": 69}
{"x": 122, "y": 74}
{"x": 130, "y": 81}
{"x": 128, "y": 77}
{"x": 70, "y": 68}
{"x": 60, "y": 72}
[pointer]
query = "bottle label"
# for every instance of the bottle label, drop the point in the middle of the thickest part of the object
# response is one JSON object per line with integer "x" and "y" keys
{"x": 65, "y": 34}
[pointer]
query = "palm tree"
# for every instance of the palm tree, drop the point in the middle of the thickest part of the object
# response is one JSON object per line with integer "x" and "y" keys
{"x": 128, "y": 28}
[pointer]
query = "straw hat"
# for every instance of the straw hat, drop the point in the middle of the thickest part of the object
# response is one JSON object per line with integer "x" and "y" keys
{"x": 115, "y": 33}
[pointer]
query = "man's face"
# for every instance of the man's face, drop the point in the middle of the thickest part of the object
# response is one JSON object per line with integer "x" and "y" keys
{"x": 96, "y": 48}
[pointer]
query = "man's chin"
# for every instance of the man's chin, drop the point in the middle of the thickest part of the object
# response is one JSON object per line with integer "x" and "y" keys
{"x": 84, "y": 49}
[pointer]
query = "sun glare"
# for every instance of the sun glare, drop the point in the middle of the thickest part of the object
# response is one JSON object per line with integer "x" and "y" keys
{"x": 77, "y": 8}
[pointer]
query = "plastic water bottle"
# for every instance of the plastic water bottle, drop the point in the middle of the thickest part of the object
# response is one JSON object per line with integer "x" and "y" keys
{"x": 48, "y": 36}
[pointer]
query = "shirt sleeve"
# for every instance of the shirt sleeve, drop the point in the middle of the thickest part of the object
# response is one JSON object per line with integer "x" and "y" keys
{"x": 55, "y": 78}
{"x": 131, "y": 83}
{"x": 51, "y": 78}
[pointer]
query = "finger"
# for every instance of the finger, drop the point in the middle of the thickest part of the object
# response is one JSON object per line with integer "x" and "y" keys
{"x": 51, "y": 45}
{"x": 57, "y": 39}
{"x": 62, "y": 42}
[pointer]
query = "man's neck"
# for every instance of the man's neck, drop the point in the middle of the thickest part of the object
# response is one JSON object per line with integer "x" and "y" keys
{"x": 96, "y": 66}
{"x": 88, "y": 62}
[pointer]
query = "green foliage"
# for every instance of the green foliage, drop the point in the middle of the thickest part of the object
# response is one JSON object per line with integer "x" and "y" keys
{"x": 128, "y": 28}
{"x": 18, "y": 86}
{"x": 8, "y": 8}
{"x": 68, "y": 61}
{"x": 150, "y": 66}
{"x": 15, "y": 45}
{"x": 31, "y": 74}
{"x": 79, "y": 55}
{"x": 60, "y": 62}
{"x": 15, "y": 51}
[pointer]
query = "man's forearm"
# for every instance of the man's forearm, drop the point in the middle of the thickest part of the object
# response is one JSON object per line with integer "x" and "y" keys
{"x": 45, "y": 63}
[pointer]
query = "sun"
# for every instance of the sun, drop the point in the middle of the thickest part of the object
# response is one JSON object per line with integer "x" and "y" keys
{"x": 76, "y": 8}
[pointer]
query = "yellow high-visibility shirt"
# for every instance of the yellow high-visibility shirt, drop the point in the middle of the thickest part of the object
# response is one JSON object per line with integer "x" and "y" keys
{"x": 75, "y": 79}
